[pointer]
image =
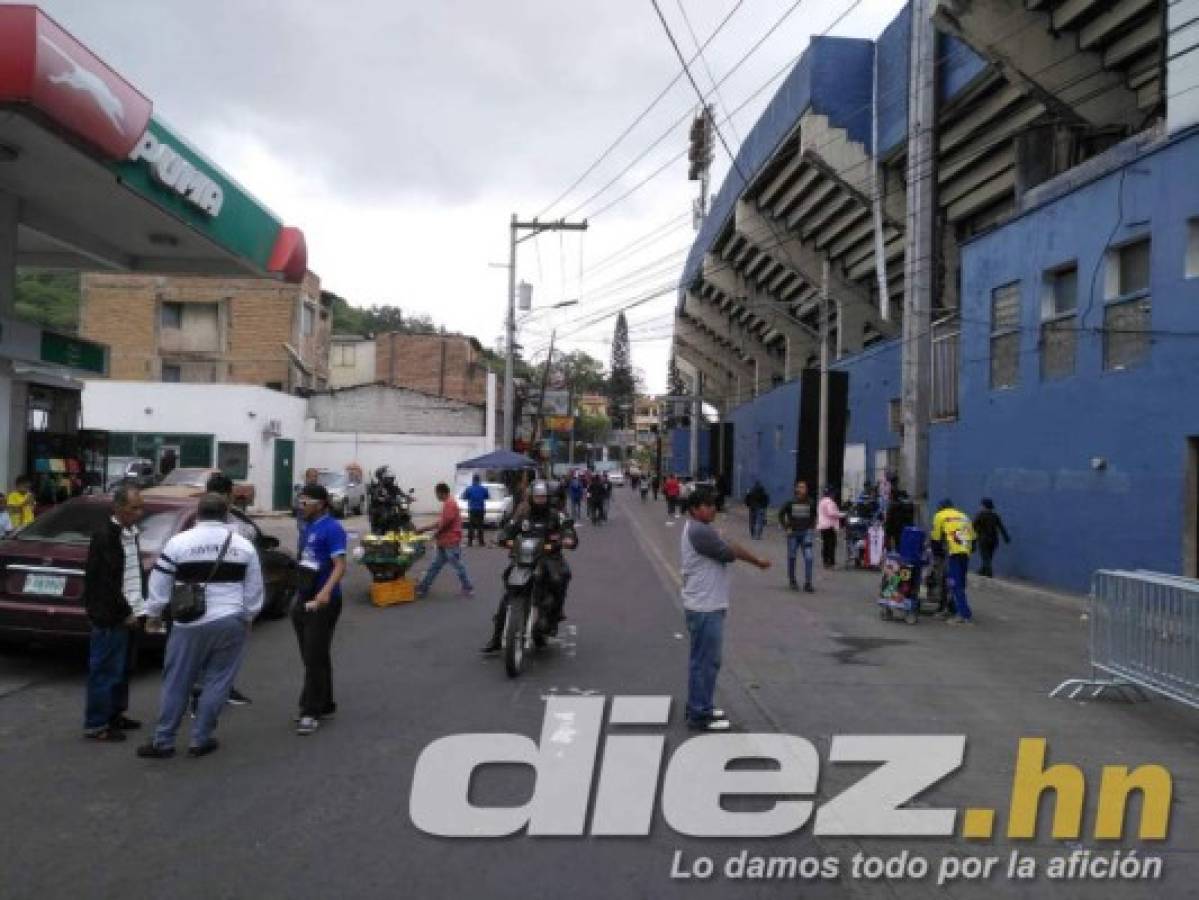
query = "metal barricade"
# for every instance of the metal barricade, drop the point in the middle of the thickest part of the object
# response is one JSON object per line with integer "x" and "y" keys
{"x": 1144, "y": 636}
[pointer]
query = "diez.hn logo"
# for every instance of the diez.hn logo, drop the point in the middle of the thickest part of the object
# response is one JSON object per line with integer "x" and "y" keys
{"x": 704, "y": 769}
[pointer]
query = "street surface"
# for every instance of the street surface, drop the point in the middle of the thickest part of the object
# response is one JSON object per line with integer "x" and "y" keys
{"x": 272, "y": 814}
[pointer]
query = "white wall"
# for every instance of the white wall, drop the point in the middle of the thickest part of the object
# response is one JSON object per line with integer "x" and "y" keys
{"x": 362, "y": 371}
{"x": 229, "y": 412}
{"x": 418, "y": 461}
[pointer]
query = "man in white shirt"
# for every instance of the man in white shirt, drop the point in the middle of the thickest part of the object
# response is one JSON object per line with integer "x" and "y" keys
{"x": 210, "y": 648}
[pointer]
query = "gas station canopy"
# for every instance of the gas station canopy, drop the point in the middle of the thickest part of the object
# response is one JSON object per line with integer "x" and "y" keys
{"x": 96, "y": 180}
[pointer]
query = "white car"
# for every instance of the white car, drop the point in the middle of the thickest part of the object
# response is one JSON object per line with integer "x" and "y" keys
{"x": 616, "y": 477}
{"x": 498, "y": 505}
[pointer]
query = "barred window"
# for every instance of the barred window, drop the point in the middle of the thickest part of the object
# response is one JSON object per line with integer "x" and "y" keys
{"x": 946, "y": 338}
{"x": 1005, "y": 335}
{"x": 1059, "y": 322}
{"x": 1126, "y": 332}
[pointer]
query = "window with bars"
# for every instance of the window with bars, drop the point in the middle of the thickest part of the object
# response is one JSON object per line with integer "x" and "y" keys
{"x": 1129, "y": 311}
{"x": 1059, "y": 322}
{"x": 1005, "y": 336}
{"x": 946, "y": 343}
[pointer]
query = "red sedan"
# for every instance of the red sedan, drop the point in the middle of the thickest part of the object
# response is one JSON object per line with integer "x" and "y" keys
{"x": 41, "y": 566}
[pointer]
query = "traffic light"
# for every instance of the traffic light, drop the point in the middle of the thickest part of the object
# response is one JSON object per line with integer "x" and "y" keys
{"x": 699, "y": 154}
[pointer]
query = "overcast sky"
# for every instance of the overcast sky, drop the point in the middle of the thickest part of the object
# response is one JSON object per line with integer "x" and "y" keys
{"x": 401, "y": 136}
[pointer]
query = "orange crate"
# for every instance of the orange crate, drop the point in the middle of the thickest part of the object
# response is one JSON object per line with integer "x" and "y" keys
{"x": 389, "y": 593}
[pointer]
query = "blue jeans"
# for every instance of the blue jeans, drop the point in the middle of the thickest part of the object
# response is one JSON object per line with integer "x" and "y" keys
{"x": 959, "y": 563}
{"x": 451, "y": 555}
{"x": 707, "y": 642}
{"x": 797, "y": 540}
{"x": 109, "y": 661}
{"x": 576, "y": 509}
{"x": 206, "y": 655}
{"x": 757, "y": 522}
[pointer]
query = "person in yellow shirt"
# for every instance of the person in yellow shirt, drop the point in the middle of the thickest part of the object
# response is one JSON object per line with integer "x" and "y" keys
{"x": 20, "y": 503}
{"x": 952, "y": 528}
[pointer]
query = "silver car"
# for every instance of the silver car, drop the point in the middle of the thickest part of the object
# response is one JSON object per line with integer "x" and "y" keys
{"x": 498, "y": 504}
{"x": 346, "y": 497}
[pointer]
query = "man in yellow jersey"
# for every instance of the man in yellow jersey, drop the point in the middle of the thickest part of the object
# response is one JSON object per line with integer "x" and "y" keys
{"x": 952, "y": 528}
{"x": 20, "y": 503}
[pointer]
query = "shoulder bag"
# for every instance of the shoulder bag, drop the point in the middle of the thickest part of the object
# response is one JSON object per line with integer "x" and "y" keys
{"x": 189, "y": 601}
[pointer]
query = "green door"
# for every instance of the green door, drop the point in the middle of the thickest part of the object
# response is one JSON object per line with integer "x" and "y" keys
{"x": 284, "y": 473}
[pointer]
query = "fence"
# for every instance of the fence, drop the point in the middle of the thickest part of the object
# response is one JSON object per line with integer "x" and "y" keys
{"x": 1144, "y": 636}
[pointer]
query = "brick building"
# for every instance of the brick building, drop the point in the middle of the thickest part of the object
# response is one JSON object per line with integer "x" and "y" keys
{"x": 448, "y": 365}
{"x": 192, "y": 328}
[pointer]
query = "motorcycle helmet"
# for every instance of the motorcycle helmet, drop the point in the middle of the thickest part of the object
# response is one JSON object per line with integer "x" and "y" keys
{"x": 539, "y": 494}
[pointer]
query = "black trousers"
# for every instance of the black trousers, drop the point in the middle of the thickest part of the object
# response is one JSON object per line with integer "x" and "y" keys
{"x": 314, "y": 631}
{"x": 987, "y": 552}
{"x": 828, "y": 546}
{"x": 474, "y": 526}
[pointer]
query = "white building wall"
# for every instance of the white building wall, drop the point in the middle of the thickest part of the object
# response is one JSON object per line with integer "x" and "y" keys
{"x": 229, "y": 412}
{"x": 418, "y": 461}
{"x": 1182, "y": 66}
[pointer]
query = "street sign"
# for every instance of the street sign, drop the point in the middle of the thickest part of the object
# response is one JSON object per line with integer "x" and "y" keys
{"x": 74, "y": 353}
{"x": 559, "y": 423}
{"x": 556, "y": 403}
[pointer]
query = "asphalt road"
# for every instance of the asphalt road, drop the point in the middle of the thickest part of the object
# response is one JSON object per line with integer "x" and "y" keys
{"x": 273, "y": 814}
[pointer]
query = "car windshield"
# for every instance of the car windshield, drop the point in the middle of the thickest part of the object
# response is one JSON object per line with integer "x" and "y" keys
{"x": 186, "y": 478}
{"x": 74, "y": 523}
{"x": 331, "y": 479}
{"x": 494, "y": 491}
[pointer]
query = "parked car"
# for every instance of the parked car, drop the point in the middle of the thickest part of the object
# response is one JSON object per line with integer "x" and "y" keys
{"x": 41, "y": 566}
{"x": 499, "y": 503}
{"x": 616, "y": 477}
{"x": 346, "y": 496}
{"x": 135, "y": 469}
{"x": 191, "y": 482}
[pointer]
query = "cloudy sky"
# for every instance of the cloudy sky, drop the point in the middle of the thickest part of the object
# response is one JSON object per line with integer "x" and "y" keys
{"x": 401, "y": 136}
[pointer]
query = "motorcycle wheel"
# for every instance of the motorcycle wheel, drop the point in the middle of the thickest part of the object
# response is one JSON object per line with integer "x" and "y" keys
{"x": 514, "y": 636}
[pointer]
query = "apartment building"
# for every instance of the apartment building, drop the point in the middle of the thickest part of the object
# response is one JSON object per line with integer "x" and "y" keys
{"x": 194, "y": 328}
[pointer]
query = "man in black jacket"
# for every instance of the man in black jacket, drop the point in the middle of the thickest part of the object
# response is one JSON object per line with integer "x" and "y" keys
{"x": 989, "y": 526}
{"x": 798, "y": 520}
{"x": 756, "y": 501}
{"x": 114, "y": 593}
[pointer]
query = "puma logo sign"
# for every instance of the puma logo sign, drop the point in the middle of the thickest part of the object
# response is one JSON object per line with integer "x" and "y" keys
{"x": 80, "y": 79}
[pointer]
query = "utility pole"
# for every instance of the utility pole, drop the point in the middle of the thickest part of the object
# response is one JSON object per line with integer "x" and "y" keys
{"x": 534, "y": 228}
{"x": 545, "y": 377}
{"x": 921, "y": 244}
{"x": 822, "y": 443}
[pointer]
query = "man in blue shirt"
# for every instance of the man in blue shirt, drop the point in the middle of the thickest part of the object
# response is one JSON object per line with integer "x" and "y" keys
{"x": 476, "y": 497}
{"x": 322, "y": 566}
{"x": 576, "y": 490}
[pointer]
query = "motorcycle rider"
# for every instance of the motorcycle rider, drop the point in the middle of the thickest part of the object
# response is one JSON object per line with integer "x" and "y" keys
{"x": 560, "y": 533}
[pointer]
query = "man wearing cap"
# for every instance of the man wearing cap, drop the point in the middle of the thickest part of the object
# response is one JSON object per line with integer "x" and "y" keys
{"x": 953, "y": 531}
{"x": 322, "y": 555}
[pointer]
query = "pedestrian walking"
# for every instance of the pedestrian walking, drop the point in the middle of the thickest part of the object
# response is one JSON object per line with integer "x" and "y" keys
{"x": 114, "y": 592}
{"x": 828, "y": 516}
{"x": 797, "y": 517}
{"x": 988, "y": 526}
{"x": 672, "y": 488}
{"x": 218, "y": 572}
{"x": 756, "y": 501}
{"x": 447, "y": 536}
{"x": 576, "y": 489}
{"x": 322, "y": 566}
{"x": 952, "y": 528}
{"x": 704, "y": 561}
{"x": 476, "y": 497}
{"x": 655, "y": 485}
{"x": 643, "y": 488}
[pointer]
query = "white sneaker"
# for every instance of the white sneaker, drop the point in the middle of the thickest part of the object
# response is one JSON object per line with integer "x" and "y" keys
{"x": 308, "y": 725}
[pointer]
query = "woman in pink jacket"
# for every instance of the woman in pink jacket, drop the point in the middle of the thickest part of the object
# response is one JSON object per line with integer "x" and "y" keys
{"x": 828, "y": 520}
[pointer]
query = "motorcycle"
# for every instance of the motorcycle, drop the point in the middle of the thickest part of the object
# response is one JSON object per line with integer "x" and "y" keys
{"x": 389, "y": 506}
{"x": 527, "y": 599}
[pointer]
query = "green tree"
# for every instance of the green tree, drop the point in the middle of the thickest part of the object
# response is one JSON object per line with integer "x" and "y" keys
{"x": 49, "y": 299}
{"x": 621, "y": 384}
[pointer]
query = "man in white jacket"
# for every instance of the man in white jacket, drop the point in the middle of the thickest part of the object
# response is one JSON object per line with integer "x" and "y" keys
{"x": 207, "y": 651}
